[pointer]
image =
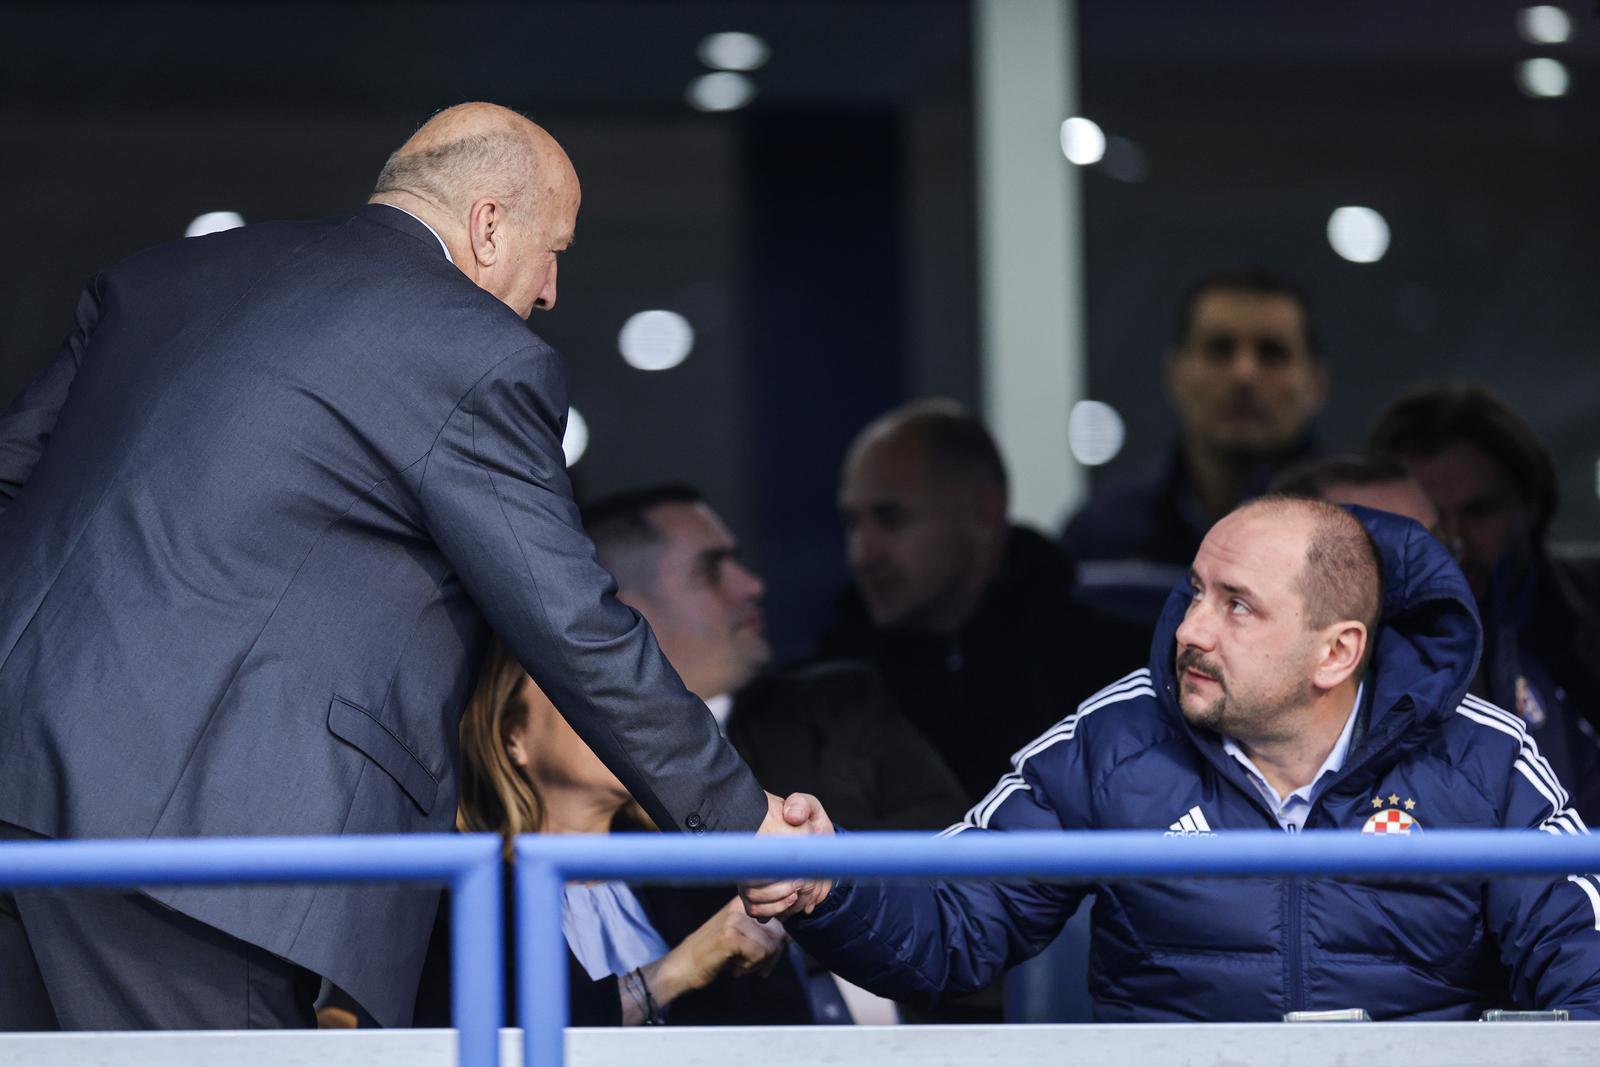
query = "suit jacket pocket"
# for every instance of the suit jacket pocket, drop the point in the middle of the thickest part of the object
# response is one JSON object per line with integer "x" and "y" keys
{"x": 356, "y": 725}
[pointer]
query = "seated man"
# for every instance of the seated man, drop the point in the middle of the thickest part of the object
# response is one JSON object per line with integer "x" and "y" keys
{"x": 830, "y": 729}
{"x": 1312, "y": 677}
{"x": 970, "y": 618}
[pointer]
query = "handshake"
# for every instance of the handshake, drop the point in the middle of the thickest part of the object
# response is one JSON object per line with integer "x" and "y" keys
{"x": 799, "y": 813}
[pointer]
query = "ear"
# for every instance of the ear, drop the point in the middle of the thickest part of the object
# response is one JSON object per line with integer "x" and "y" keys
{"x": 517, "y": 747}
{"x": 485, "y": 223}
{"x": 1341, "y": 649}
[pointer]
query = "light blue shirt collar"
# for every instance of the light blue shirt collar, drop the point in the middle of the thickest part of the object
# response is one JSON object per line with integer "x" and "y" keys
{"x": 1291, "y": 811}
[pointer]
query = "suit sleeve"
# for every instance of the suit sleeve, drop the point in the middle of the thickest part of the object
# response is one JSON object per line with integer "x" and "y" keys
{"x": 26, "y": 425}
{"x": 1548, "y": 930}
{"x": 922, "y": 941}
{"x": 496, "y": 499}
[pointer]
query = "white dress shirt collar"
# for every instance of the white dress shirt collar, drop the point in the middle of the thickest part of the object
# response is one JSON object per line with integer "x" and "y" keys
{"x": 1291, "y": 811}
{"x": 721, "y": 707}
{"x": 430, "y": 229}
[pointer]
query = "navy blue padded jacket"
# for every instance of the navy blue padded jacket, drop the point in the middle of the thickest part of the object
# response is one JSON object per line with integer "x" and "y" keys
{"x": 1425, "y": 756}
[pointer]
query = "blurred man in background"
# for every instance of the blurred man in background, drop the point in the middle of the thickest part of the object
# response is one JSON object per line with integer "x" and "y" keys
{"x": 1378, "y": 482}
{"x": 969, "y": 618}
{"x": 831, "y": 726}
{"x": 1495, "y": 488}
{"x": 1246, "y": 378}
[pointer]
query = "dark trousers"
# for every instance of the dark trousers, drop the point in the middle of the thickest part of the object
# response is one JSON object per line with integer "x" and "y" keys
{"x": 98, "y": 959}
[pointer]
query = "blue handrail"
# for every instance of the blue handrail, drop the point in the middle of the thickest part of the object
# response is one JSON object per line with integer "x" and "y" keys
{"x": 545, "y": 862}
{"x": 468, "y": 863}
{"x": 470, "y": 866}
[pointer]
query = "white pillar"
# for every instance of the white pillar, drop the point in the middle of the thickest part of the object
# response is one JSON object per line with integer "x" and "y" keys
{"x": 1030, "y": 242}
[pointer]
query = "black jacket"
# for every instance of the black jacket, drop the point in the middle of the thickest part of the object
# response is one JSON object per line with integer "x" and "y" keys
{"x": 833, "y": 730}
{"x": 1025, "y": 658}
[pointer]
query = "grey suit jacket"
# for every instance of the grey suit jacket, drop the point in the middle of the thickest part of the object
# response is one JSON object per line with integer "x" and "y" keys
{"x": 253, "y": 521}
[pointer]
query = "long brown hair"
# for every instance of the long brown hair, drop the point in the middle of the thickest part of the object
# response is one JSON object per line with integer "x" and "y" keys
{"x": 496, "y": 797}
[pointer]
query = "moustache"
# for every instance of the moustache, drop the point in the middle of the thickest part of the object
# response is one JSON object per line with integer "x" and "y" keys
{"x": 1190, "y": 658}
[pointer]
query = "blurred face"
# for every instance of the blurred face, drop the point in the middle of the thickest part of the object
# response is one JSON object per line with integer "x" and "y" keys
{"x": 552, "y": 755}
{"x": 1245, "y": 654}
{"x": 1244, "y": 381}
{"x": 704, "y": 605}
{"x": 1481, "y": 515}
{"x": 1404, "y": 497}
{"x": 913, "y": 547}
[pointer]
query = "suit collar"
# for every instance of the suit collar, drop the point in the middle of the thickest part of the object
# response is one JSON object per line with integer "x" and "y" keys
{"x": 399, "y": 219}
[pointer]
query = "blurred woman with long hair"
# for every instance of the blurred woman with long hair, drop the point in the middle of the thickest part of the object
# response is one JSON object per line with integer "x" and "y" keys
{"x": 638, "y": 957}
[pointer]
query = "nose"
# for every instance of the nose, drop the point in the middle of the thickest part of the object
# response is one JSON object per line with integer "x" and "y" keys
{"x": 1194, "y": 631}
{"x": 547, "y": 294}
{"x": 747, "y": 584}
{"x": 1245, "y": 367}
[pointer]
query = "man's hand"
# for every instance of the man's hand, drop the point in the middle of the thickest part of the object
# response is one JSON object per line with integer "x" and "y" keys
{"x": 799, "y": 813}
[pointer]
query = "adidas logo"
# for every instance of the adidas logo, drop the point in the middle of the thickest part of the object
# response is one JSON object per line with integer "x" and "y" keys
{"x": 1193, "y": 824}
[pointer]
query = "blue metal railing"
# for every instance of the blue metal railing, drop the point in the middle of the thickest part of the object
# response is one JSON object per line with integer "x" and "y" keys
{"x": 468, "y": 863}
{"x": 544, "y": 863}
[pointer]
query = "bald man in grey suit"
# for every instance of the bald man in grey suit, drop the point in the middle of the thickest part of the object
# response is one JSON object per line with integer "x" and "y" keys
{"x": 254, "y": 521}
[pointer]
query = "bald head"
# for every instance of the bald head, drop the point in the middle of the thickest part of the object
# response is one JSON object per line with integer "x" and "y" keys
{"x": 923, "y": 498}
{"x": 1285, "y": 594}
{"x": 497, "y": 189}
{"x": 472, "y": 150}
{"x": 951, "y": 441}
{"x": 1340, "y": 577}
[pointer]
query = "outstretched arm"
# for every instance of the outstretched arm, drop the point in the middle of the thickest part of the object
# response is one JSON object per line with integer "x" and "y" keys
{"x": 922, "y": 941}
{"x": 497, "y": 502}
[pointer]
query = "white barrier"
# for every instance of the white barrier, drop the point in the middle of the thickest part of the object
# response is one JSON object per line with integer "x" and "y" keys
{"x": 1143, "y": 1045}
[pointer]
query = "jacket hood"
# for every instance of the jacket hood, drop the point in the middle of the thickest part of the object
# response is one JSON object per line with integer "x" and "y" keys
{"x": 1429, "y": 636}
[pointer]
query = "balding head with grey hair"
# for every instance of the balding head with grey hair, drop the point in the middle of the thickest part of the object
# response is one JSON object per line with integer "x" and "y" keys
{"x": 498, "y": 191}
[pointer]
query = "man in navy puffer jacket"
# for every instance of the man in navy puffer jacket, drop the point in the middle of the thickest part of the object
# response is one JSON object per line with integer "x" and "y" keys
{"x": 1272, "y": 700}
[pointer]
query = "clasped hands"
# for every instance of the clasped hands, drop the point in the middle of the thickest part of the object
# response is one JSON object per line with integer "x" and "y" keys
{"x": 799, "y": 813}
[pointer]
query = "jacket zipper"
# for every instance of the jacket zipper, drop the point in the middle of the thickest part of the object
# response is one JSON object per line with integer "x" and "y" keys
{"x": 1293, "y": 924}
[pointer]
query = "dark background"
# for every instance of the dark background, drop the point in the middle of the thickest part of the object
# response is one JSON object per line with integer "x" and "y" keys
{"x": 822, "y": 242}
